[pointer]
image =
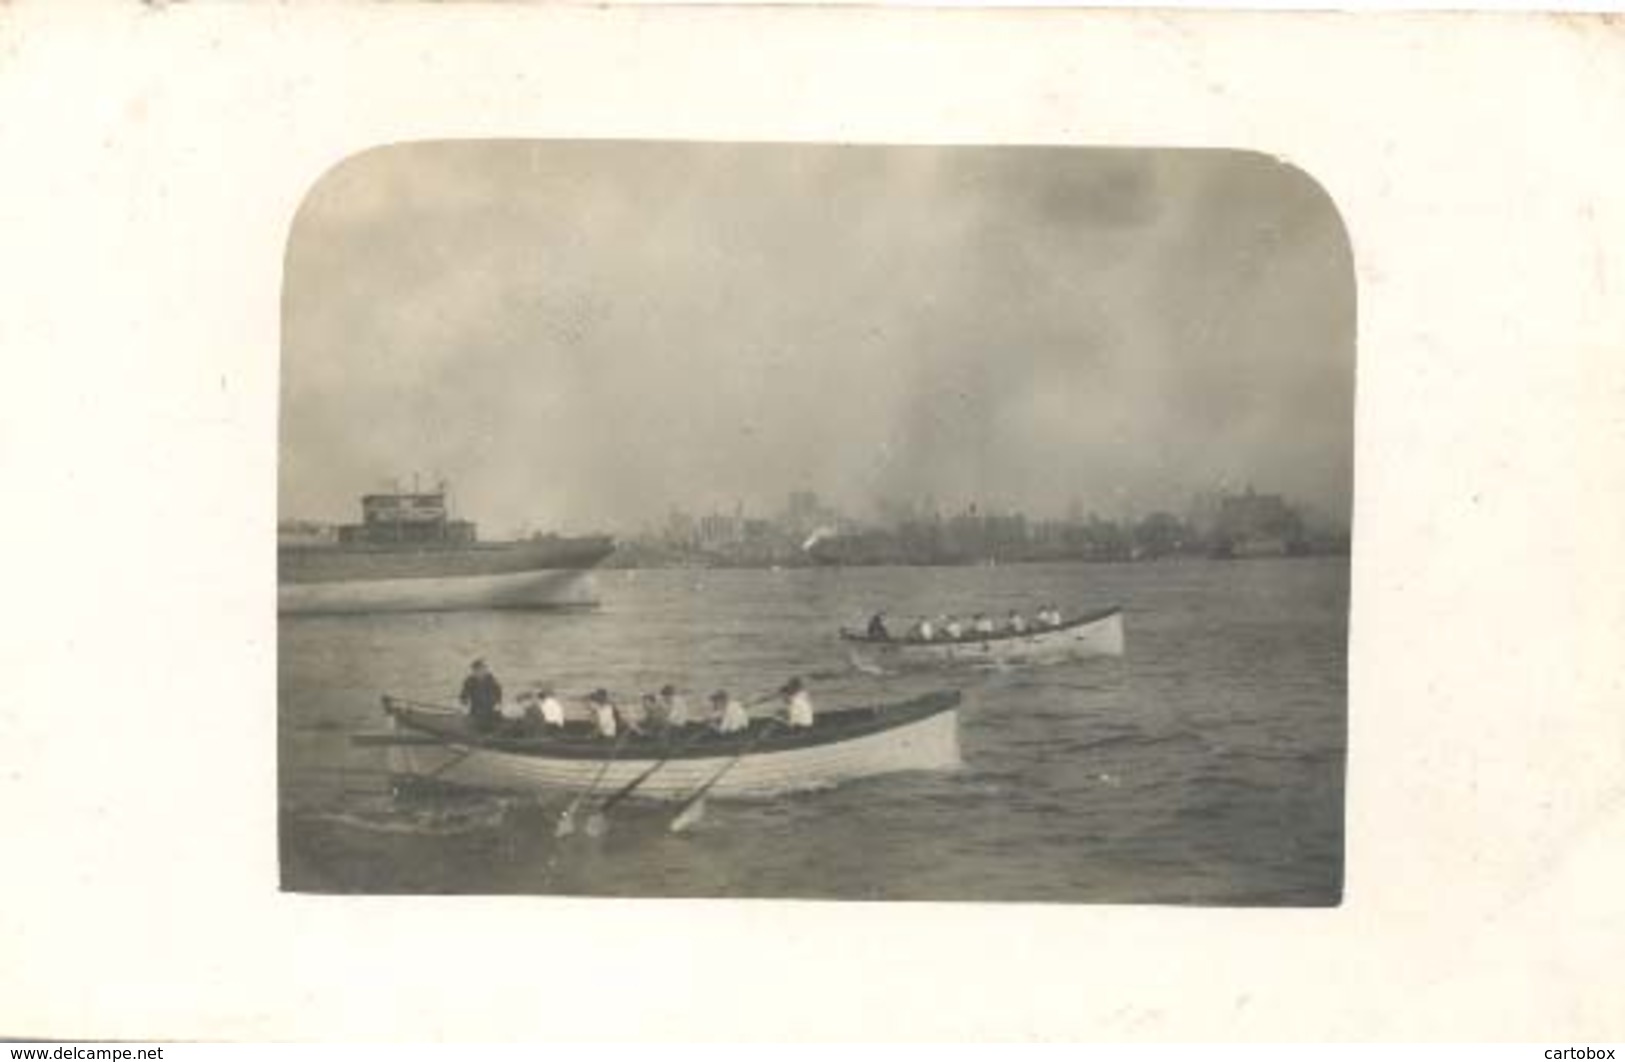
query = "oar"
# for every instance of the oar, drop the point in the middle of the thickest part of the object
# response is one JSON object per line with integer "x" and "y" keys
{"x": 458, "y": 757}
{"x": 567, "y": 821}
{"x": 597, "y": 822}
{"x": 693, "y": 805}
{"x": 437, "y": 709}
{"x": 393, "y": 738}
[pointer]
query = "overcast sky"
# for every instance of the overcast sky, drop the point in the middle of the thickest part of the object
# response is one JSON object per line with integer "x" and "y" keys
{"x": 584, "y": 335}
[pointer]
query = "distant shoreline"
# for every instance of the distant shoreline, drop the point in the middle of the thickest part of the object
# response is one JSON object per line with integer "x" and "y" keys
{"x": 619, "y": 563}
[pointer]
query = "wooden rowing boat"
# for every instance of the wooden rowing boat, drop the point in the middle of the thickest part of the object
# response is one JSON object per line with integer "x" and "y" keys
{"x": 1094, "y": 634}
{"x": 916, "y": 735}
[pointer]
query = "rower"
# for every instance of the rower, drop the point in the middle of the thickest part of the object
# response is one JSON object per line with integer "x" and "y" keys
{"x": 1050, "y": 616}
{"x": 728, "y": 715}
{"x": 635, "y": 716}
{"x": 798, "y": 706}
{"x": 603, "y": 712}
{"x": 982, "y": 623}
{"x": 922, "y": 631}
{"x": 1017, "y": 623}
{"x": 548, "y": 707}
{"x": 674, "y": 706}
{"x": 952, "y": 628}
{"x": 514, "y": 714}
{"x": 482, "y": 693}
{"x": 877, "y": 628}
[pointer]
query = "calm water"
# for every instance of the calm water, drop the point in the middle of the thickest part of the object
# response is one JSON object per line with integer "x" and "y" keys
{"x": 1206, "y": 766}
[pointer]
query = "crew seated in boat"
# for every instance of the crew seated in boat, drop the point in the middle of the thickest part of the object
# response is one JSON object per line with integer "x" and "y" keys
{"x": 877, "y": 628}
{"x": 603, "y": 713}
{"x": 1016, "y": 623}
{"x": 952, "y": 628}
{"x": 728, "y": 716}
{"x": 674, "y": 708}
{"x": 798, "y": 706}
{"x": 482, "y": 693}
{"x": 922, "y": 631}
{"x": 982, "y": 623}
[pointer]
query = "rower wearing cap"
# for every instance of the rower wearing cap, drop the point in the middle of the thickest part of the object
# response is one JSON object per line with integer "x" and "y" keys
{"x": 798, "y": 706}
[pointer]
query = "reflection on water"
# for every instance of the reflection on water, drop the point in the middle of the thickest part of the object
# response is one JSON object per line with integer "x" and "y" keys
{"x": 1206, "y": 766}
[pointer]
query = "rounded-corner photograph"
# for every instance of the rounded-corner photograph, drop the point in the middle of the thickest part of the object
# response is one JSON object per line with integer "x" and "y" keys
{"x": 814, "y": 521}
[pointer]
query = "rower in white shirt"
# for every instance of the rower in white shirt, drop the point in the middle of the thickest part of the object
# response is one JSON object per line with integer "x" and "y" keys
{"x": 798, "y": 706}
{"x": 953, "y": 628}
{"x": 549, "y": 707}
{"x": 674, "y": 706}
{"x": 1017, "y": 623}
{"x": 922, "y": 631}
{"x": 513, "y": 713}
{"x": 982, "y": 623}
{"x": 635, "y": 713}
{"x": 728, "y": 715}
{"x": 603, "y": 713}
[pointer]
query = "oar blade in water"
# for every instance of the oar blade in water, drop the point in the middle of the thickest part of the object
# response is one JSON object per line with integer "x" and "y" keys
{"x": 689, "y": 816}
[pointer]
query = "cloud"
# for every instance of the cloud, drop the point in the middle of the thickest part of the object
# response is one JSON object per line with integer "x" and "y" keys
{"x": 589, "y": 333}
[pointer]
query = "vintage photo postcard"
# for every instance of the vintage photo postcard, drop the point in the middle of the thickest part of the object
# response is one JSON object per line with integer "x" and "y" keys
{"x": 554, "y": 522}
{"x": 815, "y": 521}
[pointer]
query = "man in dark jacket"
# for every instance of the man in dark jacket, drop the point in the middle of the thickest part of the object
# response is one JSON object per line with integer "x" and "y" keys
{"x": 481, "y": 693}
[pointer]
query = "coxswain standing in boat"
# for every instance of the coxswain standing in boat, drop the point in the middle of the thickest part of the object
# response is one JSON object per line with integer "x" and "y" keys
{"x": 877, "y": 628}
{"x": 603, "y": 713}
{"x": 798, "y": 706}
{"x": 728, "y": 715}
{"x": 481, "y": 694}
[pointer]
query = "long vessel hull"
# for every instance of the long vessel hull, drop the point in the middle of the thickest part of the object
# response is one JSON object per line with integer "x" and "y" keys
{"x": 516, "y": 590}
{"x": 920, "y": 735}
{"x": 1095, "y": 635}
{"x": 547, "y": 573}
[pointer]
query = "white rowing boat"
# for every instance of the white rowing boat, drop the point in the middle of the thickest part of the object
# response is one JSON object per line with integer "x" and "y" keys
{"x": 1092, "y": 635}
{"x": 917, "y": 735}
